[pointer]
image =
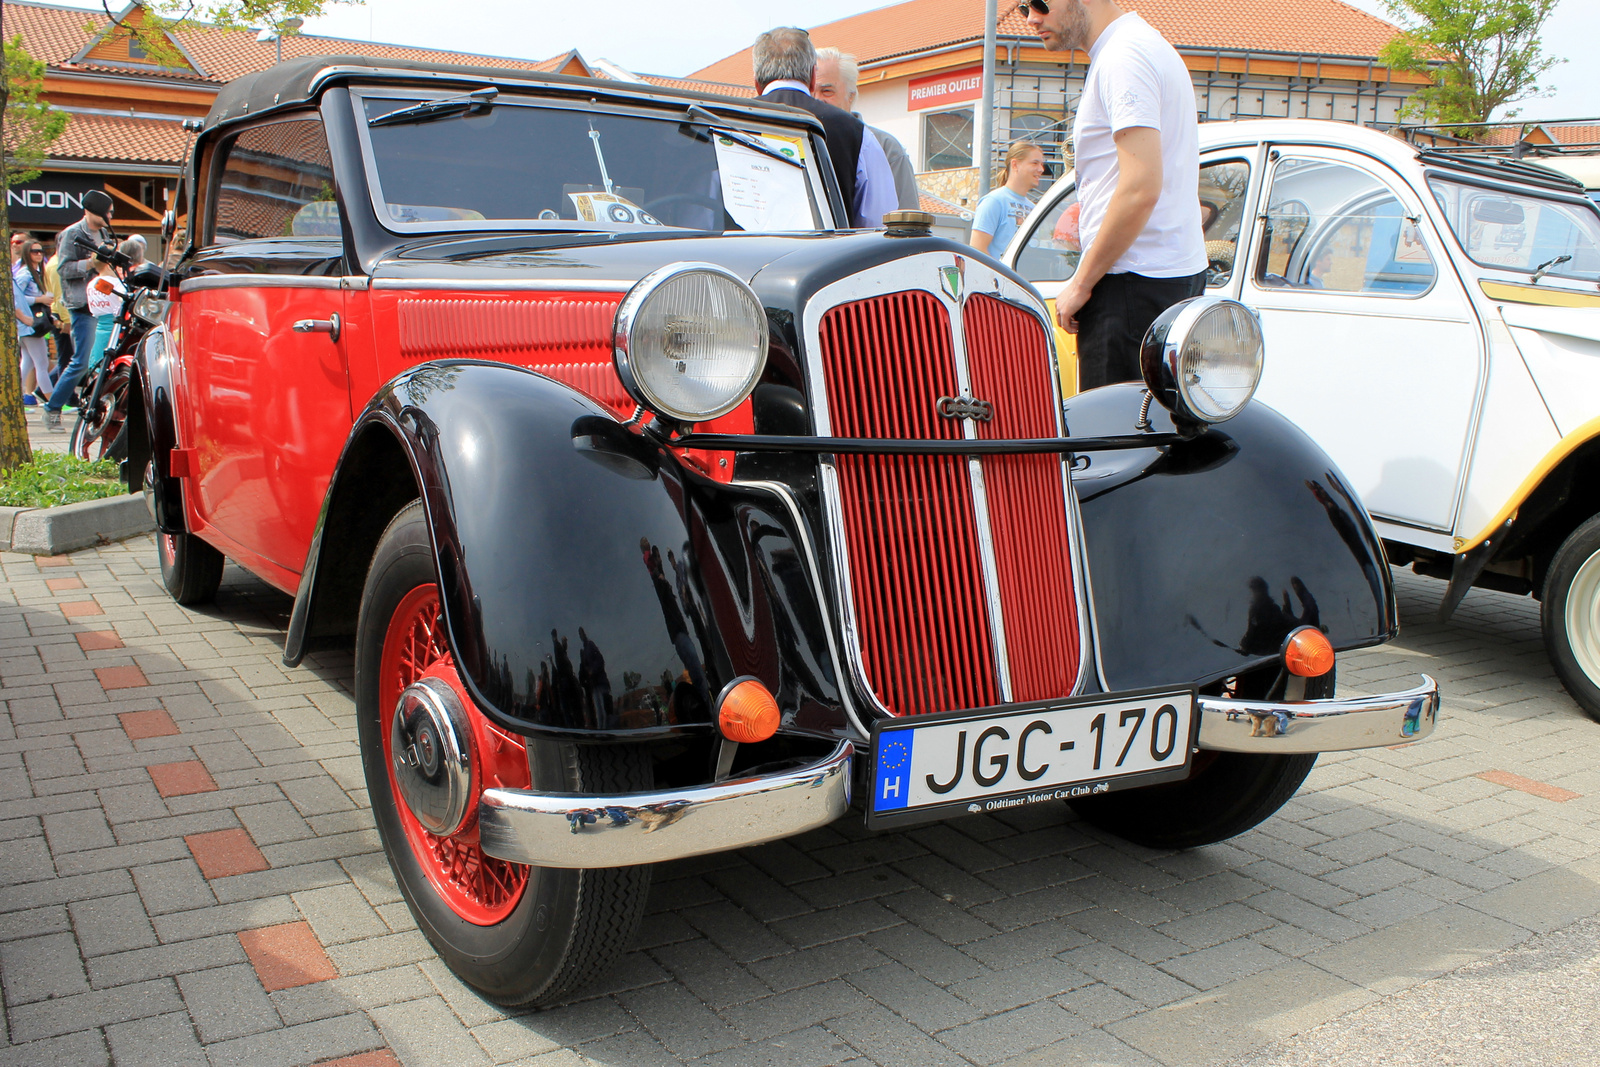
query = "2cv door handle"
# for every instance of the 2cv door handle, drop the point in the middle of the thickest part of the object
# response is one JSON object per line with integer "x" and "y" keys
{"x": 329, "y": 326}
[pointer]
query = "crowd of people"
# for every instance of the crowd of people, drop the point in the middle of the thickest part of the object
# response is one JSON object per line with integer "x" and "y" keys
{"x": 66, "y": 297}
{"x": 1138, "y": 219}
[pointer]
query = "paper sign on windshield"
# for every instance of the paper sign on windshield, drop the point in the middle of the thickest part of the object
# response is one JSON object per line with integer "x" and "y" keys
{"x": 761, "y": 193}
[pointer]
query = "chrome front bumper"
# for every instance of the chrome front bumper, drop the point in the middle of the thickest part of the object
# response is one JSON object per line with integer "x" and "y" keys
{"x": 623, "y": 829}
{"x": 1337, "y": 725}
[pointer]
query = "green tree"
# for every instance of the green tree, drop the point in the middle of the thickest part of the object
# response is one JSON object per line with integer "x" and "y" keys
{"x": 158, "y": 18}
{"x": 30, "y": 127}
{"x": 1481, "y": 54}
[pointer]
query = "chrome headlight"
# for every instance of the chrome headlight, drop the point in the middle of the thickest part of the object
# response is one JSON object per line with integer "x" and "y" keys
{"x": 149, "y": 307}
{"x": 1202, "y": 358}
{"x": 691, "y": 341}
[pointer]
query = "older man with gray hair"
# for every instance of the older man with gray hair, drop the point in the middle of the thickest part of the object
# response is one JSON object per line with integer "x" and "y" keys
{"x": 786, "y": 73}
{"x": 837, "y": 75}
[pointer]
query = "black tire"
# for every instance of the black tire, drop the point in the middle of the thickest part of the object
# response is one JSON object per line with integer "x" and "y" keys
{"x": 190, "y": 569}
{"x": 1227, "y": 794}
{"x": 100, "y": 431}
{"x": 568, "y": 926}
{"x": 1569, "y": 615}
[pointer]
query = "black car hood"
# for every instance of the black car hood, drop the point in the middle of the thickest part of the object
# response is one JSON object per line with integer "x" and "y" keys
{"x": 625, "y": 258}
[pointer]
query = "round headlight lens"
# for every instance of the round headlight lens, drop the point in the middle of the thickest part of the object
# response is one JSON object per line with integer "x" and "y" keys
{"x": 1202, "y": 358}
{"x": 691, "y": 341}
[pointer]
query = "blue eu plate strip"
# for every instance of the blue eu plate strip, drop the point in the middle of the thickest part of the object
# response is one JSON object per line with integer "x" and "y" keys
{"x": 893, "y": 780}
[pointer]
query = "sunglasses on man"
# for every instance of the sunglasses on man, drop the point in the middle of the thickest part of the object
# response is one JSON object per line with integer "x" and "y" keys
{"x": 1033, "y": 5}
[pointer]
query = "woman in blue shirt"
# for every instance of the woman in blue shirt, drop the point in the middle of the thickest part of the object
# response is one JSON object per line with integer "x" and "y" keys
{"x": 1002, "y": 211}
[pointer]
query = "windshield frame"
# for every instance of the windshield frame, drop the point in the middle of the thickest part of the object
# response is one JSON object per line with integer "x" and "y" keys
{"x": 1554, "y": 274}
{"x": 520, "y": 97}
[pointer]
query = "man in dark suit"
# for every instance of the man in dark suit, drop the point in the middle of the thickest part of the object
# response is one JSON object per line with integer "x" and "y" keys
{"x": 786, "y": 72}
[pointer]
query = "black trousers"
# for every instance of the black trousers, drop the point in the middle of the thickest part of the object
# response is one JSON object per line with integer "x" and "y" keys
{"x": 1112, "y": 325}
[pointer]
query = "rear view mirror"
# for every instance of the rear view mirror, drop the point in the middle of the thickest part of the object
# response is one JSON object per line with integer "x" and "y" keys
{"x": 1504, "y": 212}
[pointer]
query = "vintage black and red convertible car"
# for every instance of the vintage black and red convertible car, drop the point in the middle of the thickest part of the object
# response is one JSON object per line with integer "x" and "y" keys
{"x": 668, "y": 516}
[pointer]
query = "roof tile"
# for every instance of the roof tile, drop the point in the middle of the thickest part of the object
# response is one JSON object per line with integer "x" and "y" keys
{"x": 1301, "y": 27}
{"x": 56, "y": 34}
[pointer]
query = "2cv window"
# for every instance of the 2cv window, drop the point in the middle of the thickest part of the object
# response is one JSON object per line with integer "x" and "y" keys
{"x": 1501, "y": 228}
{"x": 1336, "y": 228}
{"x": 1052, "y": 248}
{"x": 276, "y": 180}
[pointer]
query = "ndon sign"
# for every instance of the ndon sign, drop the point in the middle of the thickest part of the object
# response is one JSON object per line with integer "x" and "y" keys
{"x": 938, "y": 89}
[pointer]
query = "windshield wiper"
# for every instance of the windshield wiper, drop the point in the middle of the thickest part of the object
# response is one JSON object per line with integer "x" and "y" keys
{"x": 712, "y": 123}
{"x": 1544, "y": 268}
{"x": 433, "y": 109}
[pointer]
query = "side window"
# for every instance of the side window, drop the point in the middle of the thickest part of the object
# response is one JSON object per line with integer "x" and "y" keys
{"x": 1222, "y": 202}
{"x": 1340, "y": 229}
{"x": 276, "y": 181}
{"x": 1051, "y": 251}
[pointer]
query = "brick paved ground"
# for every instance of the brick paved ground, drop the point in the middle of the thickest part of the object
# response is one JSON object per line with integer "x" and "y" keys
{"x": 190, "y": 876}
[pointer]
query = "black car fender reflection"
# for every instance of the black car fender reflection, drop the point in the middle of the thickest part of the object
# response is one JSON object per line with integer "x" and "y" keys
{"x": 1203, "y": 555}
{"x": 593, "y": 586}
{"x": 150, "y": 446}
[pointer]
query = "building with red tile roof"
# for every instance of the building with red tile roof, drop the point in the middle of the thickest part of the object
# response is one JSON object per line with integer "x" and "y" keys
{"x": 920, "y": 64}
{"x": 126, "y": 108}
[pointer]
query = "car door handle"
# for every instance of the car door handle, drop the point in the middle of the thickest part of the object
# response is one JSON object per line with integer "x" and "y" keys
{"x": 329, "y": 326}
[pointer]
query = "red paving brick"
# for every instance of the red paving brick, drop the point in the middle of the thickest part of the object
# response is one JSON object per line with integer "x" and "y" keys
{"x": 290, "y": 955}
{"x": 1528, "y": 785}
{"x": 77, "y": 609}
{"x": 141, "y": 724}
{"x": 53, "y": 561}
{"x": 181, "y": 779}
{"x": 129, "y": 677}
{"x": 56, "y": 585}
{"x": 225, "y": 853}
{"x": 94, "y": 640}
{"x": 380, "y": 1058}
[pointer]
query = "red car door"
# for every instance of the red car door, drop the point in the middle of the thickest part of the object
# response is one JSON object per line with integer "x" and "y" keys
{"x": 263, "y": 348}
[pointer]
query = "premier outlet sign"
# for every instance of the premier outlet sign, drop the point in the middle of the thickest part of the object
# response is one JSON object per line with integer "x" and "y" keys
{"x": 937, "y": 90}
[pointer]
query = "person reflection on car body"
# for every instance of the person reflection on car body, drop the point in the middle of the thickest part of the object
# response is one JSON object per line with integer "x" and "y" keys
{"x": 593, "y": 682}
{"x": 677, "y": 626}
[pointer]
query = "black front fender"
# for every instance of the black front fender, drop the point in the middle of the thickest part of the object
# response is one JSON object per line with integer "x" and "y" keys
{"x": 592, "y": 585}
{"x": 1204, "y": 554}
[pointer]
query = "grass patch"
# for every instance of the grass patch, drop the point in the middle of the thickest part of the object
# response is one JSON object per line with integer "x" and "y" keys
{"x": 56, "y": 478}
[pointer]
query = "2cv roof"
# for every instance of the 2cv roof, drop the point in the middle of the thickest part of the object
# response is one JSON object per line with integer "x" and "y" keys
{"x": 298, "y": 82}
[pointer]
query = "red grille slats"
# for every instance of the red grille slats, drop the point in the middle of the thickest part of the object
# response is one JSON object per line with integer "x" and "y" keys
{"x": 911, "y": 535}
{"x": 912, "y": 539}
{"x": 560, "y": 335}
{"x": 1010, "y": 367}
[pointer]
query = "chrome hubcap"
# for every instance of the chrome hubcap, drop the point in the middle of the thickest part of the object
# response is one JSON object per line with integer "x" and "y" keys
{"x": 431, "y": 746}
{"x": 1583, "y": 617}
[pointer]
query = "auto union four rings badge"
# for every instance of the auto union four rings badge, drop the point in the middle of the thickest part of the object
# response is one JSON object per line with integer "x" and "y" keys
{"x": 965, "y": 407}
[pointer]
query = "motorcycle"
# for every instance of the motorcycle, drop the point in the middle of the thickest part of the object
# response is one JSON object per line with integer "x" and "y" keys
{"x": 102, "y": 397}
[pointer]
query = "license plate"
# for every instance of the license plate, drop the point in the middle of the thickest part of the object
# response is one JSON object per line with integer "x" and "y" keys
{"x": 932, "y": 767}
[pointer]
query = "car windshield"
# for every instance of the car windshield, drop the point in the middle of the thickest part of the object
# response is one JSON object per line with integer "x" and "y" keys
{"x": 515, "y": 164}
{"x": 1520, "y": 231}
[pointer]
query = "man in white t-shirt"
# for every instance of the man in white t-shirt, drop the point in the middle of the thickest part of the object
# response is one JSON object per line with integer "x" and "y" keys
{"x": 1137, "y": 158}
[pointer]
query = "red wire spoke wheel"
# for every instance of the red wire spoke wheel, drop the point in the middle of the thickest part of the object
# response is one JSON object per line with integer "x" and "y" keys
{"x": 479, "y": 888}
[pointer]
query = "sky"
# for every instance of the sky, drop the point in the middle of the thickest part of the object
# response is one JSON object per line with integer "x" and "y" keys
{"x": 663, "y": 37}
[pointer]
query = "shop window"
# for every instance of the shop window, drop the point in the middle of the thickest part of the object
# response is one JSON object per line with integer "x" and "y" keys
{"x": 947, "y": 139}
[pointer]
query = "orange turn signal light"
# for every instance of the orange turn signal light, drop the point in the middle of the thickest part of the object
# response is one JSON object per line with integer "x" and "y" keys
{"x": 748, "y": 713}
{"x": 1308, "y": 652}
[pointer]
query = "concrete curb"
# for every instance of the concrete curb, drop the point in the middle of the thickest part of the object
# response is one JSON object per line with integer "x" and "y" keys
{"x": 52, "y": 531}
